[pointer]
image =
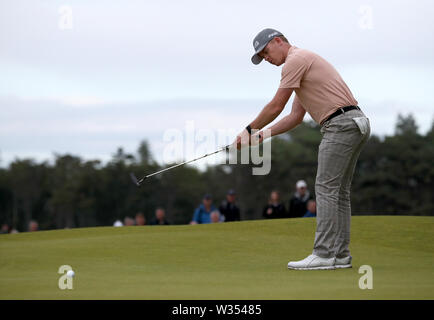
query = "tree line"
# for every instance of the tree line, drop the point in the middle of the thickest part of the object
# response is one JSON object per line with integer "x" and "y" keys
{"x": 394, "y": 176}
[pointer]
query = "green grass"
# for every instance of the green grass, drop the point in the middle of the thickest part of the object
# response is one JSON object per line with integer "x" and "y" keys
{"x": 240, "y": 260}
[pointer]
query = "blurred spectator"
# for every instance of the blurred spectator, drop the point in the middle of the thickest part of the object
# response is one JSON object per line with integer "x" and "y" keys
{"x": 311, "y": 209}
{"x": 140, "y": 219}
{"x": 215, "y": 216}
{"x": 33, "y": 226}
{"x": 160, "y": 219}
{"x": 203, "y": 213}
{"x": 14, "y": 231}
{"x": 229, "y": 209}
{"x": 128, "y": 221}
{"x": 4, "y": 229}
{"x": 275, "y": 208}
{"x": 297, "y": 204}
{"x": 118, "y": 223}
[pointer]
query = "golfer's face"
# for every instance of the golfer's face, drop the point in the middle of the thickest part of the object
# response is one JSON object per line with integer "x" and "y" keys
{"x": 272, "y": 54}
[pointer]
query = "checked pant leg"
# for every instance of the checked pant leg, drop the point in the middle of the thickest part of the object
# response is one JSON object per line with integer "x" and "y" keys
{"x": 336, "y": 152}
{"x": 344, "y": 204}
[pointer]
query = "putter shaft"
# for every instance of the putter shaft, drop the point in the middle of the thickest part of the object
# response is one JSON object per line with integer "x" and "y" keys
{"x": 181, "y": 164}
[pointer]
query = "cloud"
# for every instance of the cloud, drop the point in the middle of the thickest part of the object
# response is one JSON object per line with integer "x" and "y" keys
{"x": 40, "y": 128}
{"x": 29, "y": 128}
{"x": 124, "y": 73}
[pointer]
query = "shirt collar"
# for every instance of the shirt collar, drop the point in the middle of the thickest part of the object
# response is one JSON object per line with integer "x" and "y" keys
{"x": 290, "y": 51}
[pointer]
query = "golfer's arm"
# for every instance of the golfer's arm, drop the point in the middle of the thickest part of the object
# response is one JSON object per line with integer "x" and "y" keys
{"x": 290, "y": 121}
{"x": 272, "y": 109}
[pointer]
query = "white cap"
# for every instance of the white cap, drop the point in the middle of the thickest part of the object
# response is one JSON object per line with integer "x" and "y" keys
{"x": 301, "y": 184}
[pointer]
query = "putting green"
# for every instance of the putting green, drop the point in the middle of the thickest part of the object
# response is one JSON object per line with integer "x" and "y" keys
{"x": 239, "y": 260}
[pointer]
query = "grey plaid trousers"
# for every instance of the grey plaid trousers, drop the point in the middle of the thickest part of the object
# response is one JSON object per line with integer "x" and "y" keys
{"x": 343, "y": 137}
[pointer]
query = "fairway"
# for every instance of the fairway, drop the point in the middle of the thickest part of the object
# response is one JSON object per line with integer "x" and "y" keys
{"x": 238, "y": 260}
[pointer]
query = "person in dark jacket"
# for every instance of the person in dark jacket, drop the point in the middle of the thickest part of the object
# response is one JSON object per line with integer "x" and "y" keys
{"x": 160, "y": 218}
{"x": 229, "y": 209}
{"x": 275, "y": 208}
{"x": 298, "y": 202}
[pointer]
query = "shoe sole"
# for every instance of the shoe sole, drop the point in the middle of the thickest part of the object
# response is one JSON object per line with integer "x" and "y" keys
{"x": 343, "y": 266}
{"x": 314, "y": 268}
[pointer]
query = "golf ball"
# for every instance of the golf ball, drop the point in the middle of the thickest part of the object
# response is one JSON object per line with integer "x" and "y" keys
{"x": 70, "y": 274}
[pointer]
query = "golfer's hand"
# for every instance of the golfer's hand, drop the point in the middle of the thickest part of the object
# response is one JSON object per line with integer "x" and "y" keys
{"x": 257, "y": 138}
{"x": 242, "y": 139}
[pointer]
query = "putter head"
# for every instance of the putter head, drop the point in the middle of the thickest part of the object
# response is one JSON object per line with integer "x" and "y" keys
{"x": 135, "y": 180}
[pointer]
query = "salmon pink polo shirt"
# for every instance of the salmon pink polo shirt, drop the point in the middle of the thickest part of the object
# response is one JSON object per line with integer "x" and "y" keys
{"x": 317, "y": 84}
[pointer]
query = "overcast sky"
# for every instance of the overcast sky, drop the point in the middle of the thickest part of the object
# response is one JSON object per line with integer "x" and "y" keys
{"x": 86, "y": 77}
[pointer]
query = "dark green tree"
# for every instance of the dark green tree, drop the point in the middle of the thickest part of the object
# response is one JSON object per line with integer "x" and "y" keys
{"x": 406, "y": 125}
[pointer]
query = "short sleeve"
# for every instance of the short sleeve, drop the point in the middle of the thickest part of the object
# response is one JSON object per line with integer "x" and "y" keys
{"x": 293, "y": 71}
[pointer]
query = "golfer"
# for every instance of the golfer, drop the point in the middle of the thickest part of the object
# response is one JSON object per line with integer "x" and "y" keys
{"x": 320, "y": 91}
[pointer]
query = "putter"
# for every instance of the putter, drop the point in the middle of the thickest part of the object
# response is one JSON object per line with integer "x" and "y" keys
{"x": 138, "y": 182}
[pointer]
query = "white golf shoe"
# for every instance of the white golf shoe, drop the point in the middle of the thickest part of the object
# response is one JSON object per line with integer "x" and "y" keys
{"x": 313, "y": 262}
{"x": 342, "y": 263}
